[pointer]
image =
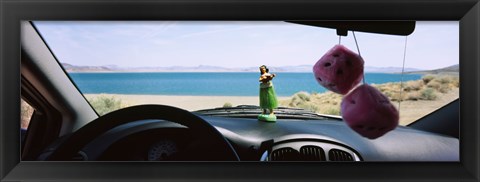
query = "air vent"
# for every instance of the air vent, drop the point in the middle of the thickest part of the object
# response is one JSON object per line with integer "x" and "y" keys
{"x": 285, "y": 154}
{"x": 312, "y": 153}
{"x": 339, "y": 155}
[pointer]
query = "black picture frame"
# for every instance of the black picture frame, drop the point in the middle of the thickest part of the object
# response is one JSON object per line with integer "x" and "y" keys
{"x": 12, "y": 12}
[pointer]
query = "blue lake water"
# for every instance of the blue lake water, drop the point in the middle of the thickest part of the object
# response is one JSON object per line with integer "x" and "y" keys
{"x": 207, "y": 84}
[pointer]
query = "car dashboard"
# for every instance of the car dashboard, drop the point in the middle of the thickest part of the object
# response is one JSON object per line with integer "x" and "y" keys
{"x": 284, "y": 140}
{"x": 337, "y": 141}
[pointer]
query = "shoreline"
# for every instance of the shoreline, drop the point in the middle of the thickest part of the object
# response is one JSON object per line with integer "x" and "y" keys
{"x": 409, "y": 111}
{"x": 190, "y": 103}
{"x": 214, "y": 71}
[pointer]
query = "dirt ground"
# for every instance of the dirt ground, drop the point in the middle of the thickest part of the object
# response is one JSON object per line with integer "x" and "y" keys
{"x": 412, "y": 110}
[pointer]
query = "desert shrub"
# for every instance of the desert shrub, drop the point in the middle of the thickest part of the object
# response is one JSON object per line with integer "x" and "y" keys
{"x": 303, "y": 96}
{"x": 300, "y": 98}
{"x": 104, "y": 104}
{"x": 451, "y": 80}
{"x": 428, "y": 94}
{"x": 325, "y": 103}
{"x": 332, "y": 111}
{"x": 327, "y": 98}
{"x": 383, "y": 87}
{"x": 413, "y": 85}
{"x": 394, "y": 86}
{"x": 441, "y": 86}
{"x": 444, "y": 79}
{"x": 309, "y": 106}
{"x": 444, "y": 88}
{"x": 295, "y": 101}
{"x": 456, "y": 83}
{"x": 227, "y": 104}
{"x": 414, "y": 96}
{"x": 397, "y": 96}
{"x": 427, "y": 78}
{"x": 388, "y": 94}
{"x": 435, "y": 85}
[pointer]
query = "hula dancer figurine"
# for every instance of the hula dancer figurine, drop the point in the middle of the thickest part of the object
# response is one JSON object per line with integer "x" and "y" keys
{"x": 268, "y": 98}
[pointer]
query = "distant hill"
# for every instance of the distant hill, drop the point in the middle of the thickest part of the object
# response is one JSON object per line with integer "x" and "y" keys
{"x": 207, "y": 68}
{"x": 371, "y": 69}
{"x": 454, "y": 69}
{"x": 74, "y": 68}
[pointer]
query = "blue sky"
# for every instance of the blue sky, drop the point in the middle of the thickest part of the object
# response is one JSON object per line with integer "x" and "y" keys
{"x": 239, "y": 44}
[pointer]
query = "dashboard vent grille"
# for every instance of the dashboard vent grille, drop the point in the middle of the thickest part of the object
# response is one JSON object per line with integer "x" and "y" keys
{"x": 339, "y": 155}
{"x": 285, "y": 154}
{"x": 312, "y": 153}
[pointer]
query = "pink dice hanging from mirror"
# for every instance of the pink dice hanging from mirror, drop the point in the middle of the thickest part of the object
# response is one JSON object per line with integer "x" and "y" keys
{"x": 339, "y": 70}
{"x": 368, "y": 112}
{"x": 365, "y": 109}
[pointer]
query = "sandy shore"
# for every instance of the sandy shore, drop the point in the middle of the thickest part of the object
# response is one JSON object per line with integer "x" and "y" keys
{"x": 410, "y": 110}
{"x": 190, "y": 103}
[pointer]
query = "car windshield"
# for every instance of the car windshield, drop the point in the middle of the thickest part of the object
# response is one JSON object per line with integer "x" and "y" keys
{"x": 202, "y": 65}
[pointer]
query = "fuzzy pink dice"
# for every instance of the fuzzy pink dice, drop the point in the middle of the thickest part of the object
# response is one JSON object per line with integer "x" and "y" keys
{"x": 339, "y": 70}
{"x": 368, "y": 112}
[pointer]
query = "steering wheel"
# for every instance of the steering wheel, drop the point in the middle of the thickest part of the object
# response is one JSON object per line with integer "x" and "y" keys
{"x": 214, "y": 147}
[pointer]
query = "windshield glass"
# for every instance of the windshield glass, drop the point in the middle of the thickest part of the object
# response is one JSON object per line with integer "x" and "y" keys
{"x": 208, "y": 64}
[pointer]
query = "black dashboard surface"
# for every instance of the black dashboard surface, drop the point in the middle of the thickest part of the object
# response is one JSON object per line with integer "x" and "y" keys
{"x": 401, "y": 144}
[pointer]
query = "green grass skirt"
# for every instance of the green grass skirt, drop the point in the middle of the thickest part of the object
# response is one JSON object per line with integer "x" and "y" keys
{"x": 268, "y": 98}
